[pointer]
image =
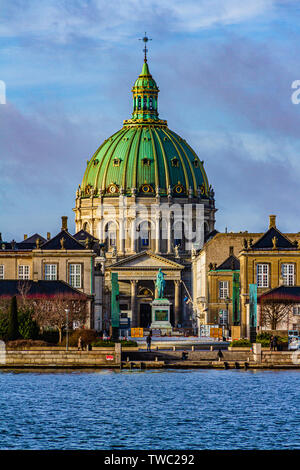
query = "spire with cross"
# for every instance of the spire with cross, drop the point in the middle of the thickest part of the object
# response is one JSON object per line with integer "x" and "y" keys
{"x": 145, "y": 50}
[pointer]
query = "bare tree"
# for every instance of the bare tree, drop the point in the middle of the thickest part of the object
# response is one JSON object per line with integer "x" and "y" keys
{"x": 274, "y": 311}
{"x": 51, "y": 312}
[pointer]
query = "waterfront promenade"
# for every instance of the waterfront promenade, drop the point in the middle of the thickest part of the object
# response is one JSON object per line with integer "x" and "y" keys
{"x": 163, "y": 355}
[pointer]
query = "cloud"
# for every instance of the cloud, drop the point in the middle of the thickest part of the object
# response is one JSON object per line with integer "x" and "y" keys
{"x": 63, "y": 21}
{"x": 253, "y": 176}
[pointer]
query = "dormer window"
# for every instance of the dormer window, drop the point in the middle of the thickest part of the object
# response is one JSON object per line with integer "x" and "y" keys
{"x": 116, "y": 162}
{"x": 175, "y": 162}
{"x": 196, "y": 163}
{"x": 146, "y": 161}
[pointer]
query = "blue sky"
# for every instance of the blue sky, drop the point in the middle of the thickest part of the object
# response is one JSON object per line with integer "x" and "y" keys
{"x": 224, "y": 68}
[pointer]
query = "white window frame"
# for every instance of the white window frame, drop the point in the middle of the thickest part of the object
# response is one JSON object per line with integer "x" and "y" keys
{"x": 51, "y": 275}
{"x": 75, "y": 277}
{"x": 23, "y": 271}
{"x": 223, "y": 289}
{"x": 296, "y": 310}
{"x": 2, "y": 271}
{"x": 288, "y": 274}
{"x": 262, "y": 274}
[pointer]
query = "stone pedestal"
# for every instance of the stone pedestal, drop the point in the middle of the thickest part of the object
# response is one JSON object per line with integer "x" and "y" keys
{"x": 160, "y": 314}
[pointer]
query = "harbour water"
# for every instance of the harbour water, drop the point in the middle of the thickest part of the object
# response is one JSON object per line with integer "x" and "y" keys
{"x": 186, "y": 409}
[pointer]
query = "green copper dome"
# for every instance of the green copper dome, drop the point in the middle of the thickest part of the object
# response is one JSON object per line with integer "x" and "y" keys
{"x": 145, "y": 157}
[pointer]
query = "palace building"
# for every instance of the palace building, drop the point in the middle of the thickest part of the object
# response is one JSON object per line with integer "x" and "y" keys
{"x": 133, "y": 197}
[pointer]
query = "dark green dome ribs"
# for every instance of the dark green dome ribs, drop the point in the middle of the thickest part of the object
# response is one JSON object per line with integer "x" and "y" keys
{"x": 145, "y": 155}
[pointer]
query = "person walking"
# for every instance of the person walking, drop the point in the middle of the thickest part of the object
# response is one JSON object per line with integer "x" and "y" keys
{"x": 275, "y": 343}
{"x": 148, "y": 341}
{"x": 80, "y": 344}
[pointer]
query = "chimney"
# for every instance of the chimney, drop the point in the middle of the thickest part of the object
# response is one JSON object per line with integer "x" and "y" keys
{"x": 25, "y": 236}
{"x": 272, "y": 221}
{"x": 231, "y": 251}
{"x": 48, "y": 236}
{"x": 64, "y": 223}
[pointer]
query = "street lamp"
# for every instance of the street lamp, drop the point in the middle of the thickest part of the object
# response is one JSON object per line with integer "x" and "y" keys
{"x": 227, "y": 302}
{"x": 67, "y": 324}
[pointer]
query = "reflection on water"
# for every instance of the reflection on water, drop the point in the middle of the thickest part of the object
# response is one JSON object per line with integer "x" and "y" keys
{"x": 159, "y": 409}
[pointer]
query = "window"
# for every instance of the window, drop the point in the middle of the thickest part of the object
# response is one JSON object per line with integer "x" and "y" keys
{"x": 144, "y": 235}
{"x": 175, "y": 162}
{"x": 112, "y": 238}
{"x": 1, "y": 271}
{"x": 296, "y": 310}
{"x": 50, "y": 272}
{"x": 116, "y": 162}
{"x": 223, "y": 289}
{"x": 262, "y": 275}
{"x": 151, "y": 103}
{"x": 23, "y": 272}
{"x": 223, "y": 317}
{"x": 288, "y": 274}
{"x": 139, "y": 103}
{"x": 145, "y": 102}
{"x": 75, "y": 275}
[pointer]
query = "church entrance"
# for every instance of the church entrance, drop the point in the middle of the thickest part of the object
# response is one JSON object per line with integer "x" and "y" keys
{"x": 145, "y": 315}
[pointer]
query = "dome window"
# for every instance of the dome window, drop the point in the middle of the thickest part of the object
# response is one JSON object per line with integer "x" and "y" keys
{"x": 96, "y": 161}
{"x": 175, "y": 162}
{"x": 147, "y": 188}
{"x": 196, "y": 163}
{"x": 116, "y": 161}
{"x": 112, "y": 188}
{"x": 179, "y": 189}
{"x": 146, "y": 161}
{"x": 165, "y": 139}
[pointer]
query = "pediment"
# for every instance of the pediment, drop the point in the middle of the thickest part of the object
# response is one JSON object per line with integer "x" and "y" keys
{"x": 146, "y": 260}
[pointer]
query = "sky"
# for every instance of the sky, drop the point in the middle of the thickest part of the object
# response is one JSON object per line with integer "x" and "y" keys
{"x": 225, "y": 70}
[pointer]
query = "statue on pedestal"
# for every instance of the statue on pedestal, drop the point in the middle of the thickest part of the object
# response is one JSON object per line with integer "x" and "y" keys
{"x": 160, "y": 284}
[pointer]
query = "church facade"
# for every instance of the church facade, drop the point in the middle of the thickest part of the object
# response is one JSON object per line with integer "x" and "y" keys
{"x": 145, "y": 196}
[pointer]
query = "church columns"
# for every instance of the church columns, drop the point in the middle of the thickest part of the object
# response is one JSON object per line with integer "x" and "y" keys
{"x": 134, "y": 312}
{"x": 169, "y": 228}
{"x": 157, "y": 234}
{"x": 177, "y": 303}
{"x": 133, "y": 236}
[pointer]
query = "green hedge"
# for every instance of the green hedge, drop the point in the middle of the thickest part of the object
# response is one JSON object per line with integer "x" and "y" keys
{"x": 241, "y": 343}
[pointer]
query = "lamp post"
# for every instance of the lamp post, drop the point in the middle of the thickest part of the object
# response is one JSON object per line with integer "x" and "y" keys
{"x": 227, "y": 302}
{"x": 67, "y": 328}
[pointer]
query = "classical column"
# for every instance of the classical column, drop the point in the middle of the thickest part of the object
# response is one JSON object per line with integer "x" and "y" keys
{"x": 133, "y": 236}
{"x": 169, "y": 228}
{"x": 157, "y": 234}
{"x": 122, "y": 236}
{"x": 177, "y": 306}
{"x": 134, "y": 313}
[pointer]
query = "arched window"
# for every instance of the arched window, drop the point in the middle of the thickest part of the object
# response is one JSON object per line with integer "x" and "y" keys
{"x": 139, "y": 103}
{"x": 145, "y": 102}
{"x": 144, "y": 234}
{"x": 111, "y": 235}
{"x": 151, "y": 103}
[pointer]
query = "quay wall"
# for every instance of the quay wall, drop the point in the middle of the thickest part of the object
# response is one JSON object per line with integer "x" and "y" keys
{"x": 108, "y": 357}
